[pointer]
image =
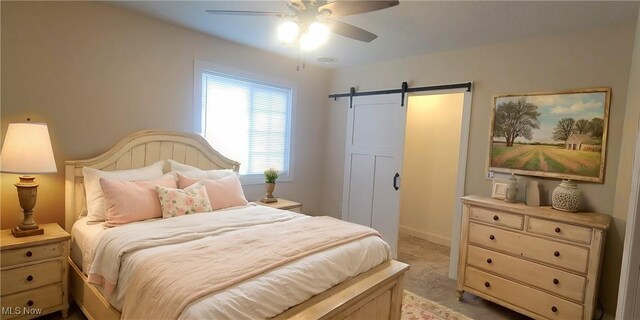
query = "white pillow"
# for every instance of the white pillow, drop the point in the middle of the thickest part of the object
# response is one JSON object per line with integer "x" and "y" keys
{"x": 197, "y": 173}
{"x": 96, "y": 208}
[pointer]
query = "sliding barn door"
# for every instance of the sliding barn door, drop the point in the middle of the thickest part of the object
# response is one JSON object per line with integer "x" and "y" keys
{"x": 373, "y": 161}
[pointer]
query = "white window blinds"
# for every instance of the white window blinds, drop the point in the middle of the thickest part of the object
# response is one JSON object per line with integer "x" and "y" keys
{"x": 247, "y": 121}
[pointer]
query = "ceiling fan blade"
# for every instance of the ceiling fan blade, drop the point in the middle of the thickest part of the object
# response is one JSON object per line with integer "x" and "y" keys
{"x": 250, "y": 13}
{"x": 349, "y": 31}
{"x": 346, "y": 8}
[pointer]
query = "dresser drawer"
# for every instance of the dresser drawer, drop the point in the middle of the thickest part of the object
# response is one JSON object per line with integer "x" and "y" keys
{"x": 543, "y": 304}
{"x": 559, "y": 230}
{"x": 33, "y": 276}
{"x": 553, "y": 280}
{"x": 500, "y": 218}
{"x": 547, "y": 251}
{"x": 41, "y": 298}
{"x": 24, "y": 255}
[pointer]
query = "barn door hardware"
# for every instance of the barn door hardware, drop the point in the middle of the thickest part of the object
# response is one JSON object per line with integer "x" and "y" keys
{"x": 405, "y": 86}
{"x": 403, "y": 90}
{"x": 395, "y": 181}
{"x": 352, "y": 91}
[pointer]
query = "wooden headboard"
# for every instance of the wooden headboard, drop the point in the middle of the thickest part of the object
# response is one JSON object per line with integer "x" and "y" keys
{"x": 137, "y": 150}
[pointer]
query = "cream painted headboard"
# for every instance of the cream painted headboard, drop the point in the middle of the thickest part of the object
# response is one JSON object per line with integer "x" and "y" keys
{"x": 137, "y": 150}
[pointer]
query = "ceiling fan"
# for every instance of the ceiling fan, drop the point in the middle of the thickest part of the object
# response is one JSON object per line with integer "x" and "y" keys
{"x": 310, "y": 20}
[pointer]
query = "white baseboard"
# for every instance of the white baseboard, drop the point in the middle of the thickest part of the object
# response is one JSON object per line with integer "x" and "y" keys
{"x": 425, "y": 235}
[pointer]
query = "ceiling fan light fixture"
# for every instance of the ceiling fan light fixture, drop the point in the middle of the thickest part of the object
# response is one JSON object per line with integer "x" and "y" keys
{"x": 319, "y": 32}
{"x": 288, "y": 32}
{"x": 316, "y": 34}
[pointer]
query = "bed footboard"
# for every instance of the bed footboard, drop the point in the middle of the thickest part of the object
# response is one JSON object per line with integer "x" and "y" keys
{"x": 375, "y": 294}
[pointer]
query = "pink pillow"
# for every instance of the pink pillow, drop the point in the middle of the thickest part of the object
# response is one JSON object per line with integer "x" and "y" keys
{"x": 223, "y": 193}
{"x": 129, "y": 201}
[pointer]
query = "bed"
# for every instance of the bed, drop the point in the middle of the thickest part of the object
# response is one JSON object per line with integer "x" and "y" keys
{"x": 374, "y": 291}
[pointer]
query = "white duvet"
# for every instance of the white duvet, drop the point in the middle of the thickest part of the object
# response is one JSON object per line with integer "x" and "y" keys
{"x": 118, "y": 250}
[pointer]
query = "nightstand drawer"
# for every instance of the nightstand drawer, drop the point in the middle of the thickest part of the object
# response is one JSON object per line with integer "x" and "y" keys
{"x": 42, "y": 298}
{"x": 34, "y": 276}
{"x": 521, "y": 245}
{"x": 499, "y": 218}
{"x": 543, "y": 304}
{"x": 559, "y": 230}
{"x": 553, "y": 280}
{"x": 24, "y": 255}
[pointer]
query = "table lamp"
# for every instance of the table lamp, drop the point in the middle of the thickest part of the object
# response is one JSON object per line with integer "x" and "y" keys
{"x": 27, "y": 150}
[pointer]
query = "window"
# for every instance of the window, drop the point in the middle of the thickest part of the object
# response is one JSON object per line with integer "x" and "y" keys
{"x": 247, "y": 120}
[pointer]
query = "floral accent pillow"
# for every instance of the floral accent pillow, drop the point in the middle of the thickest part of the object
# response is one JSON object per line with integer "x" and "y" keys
{"x": 178, "y": 202}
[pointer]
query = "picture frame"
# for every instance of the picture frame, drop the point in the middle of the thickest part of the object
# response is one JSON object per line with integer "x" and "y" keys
{"x": 554, "y": 135}
{"x": 499, "y": 189}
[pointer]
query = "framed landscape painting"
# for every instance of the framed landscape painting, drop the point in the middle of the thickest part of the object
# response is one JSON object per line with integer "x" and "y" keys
{"x": 557, "y": 135}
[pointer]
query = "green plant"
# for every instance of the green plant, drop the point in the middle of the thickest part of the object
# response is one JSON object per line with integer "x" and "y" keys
{"x": 270, "y": 176}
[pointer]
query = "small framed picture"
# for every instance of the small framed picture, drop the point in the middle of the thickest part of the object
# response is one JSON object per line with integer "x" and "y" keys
{"x": 499, "y": 189}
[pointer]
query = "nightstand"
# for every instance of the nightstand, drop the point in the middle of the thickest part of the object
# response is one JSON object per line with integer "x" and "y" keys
{"x": 35, "y": 273}
{"x": 283, "y": 204}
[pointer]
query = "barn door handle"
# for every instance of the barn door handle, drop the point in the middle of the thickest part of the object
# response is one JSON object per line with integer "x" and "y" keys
{"x": 395, "y": 181}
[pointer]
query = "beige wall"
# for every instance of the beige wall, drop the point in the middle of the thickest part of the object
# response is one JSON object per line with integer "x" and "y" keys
{"x": 630, "y": 135}
{"x": 430, "y": 166}
{"x": 589, "y": 58}
{"x": 95, "y": 73}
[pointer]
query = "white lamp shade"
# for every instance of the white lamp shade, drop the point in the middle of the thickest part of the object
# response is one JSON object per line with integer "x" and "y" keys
{"x": 27, "y": 149}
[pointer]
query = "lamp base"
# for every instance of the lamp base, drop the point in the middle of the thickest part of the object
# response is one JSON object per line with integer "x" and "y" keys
{"x": 269, "y": 200}
{"x": 19, "y": 233}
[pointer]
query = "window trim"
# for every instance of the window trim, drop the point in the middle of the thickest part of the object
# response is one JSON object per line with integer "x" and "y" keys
{"x": 200, "y": 66}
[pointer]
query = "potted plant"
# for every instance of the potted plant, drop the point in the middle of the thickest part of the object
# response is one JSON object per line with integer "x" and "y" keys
{"x": 270, "y": 177}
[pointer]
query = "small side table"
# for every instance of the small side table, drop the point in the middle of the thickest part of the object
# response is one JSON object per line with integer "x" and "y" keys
{"x": 282, "y": 204}
{"x": 35, "y": 273}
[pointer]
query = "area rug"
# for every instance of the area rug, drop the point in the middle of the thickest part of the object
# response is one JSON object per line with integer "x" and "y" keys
{"x": 415, "y": 307}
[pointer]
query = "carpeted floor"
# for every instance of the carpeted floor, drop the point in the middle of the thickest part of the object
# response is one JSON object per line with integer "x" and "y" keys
{"x": 428, "y": 277}
{"x": 418, "y": 308}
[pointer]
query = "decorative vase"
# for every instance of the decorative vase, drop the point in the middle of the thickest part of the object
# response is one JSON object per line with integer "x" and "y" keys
{"x": 533, "y": 194}
{"x": 512, "y": 189}
{"x": 566, "y": 197}
{"x": 269, "y": 196}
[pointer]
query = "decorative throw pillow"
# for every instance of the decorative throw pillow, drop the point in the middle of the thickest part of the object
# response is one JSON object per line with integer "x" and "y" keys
{"x": 96, "y": 208}
{"x": 178, "y": 202}
{"x": 197, "y": 173}
{"x": 223, "y": 193}
{"x": 129, "y": 201}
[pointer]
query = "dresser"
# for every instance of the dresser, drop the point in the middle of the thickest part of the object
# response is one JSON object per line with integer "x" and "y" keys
{"x": 34, "y": 273}
{"x": 537, "y": 261}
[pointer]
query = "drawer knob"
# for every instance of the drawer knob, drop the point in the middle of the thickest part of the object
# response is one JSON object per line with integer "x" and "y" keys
{"x": 557, "y": 253}
{"x": 30, "y": 303}
{"x": 555, "y": 281}
{"x": 496, "y": 218}
{"x": 29, "y": 254}
{"x": 30, "y": 278}
{"x": 487, "y": 284}
{"x": 489, "y": 260}
{"x": 554, "y": 309}
{"x": 493, "y": 238}
{"x": 557, "y": 230}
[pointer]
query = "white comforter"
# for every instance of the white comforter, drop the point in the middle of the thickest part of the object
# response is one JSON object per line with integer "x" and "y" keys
{"x": 118, "y": 250}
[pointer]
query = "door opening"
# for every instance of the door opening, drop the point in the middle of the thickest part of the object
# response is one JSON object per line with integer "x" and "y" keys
{"x": 430, "y": 166}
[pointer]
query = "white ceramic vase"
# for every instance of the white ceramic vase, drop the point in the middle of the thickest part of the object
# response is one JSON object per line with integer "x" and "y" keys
{"x": 532, "y": 198}
{"x": 566, "y": 197}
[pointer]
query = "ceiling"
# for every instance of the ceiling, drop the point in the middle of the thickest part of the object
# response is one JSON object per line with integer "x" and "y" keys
{"x": 409, "y": 29}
